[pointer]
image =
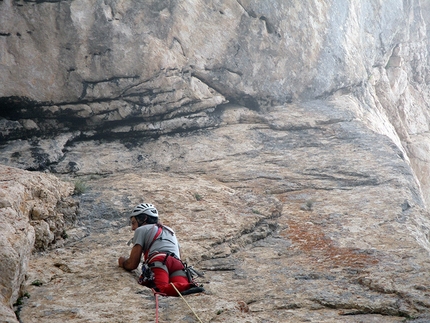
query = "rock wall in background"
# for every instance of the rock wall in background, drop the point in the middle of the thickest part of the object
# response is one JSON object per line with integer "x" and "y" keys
{"x": 286, "y": 141}
{"x": 75, "y": 70}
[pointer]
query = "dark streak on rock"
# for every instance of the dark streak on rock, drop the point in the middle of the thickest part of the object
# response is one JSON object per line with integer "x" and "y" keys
{"x": 44, "y": 1}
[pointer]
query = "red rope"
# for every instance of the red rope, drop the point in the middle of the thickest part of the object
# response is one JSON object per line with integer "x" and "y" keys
{"x": 156, "y": 308}
{"x": 156, "y": 303}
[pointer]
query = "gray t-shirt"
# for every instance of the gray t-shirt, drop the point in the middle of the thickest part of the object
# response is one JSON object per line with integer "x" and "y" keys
{"x": 166, "y": 241}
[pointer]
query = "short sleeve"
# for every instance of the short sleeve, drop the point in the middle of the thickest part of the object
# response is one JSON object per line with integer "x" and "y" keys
{"x": 139, "y": 238}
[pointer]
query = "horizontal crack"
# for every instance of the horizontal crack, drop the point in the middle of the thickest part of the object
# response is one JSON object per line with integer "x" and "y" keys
{"x": 356, "y": 309}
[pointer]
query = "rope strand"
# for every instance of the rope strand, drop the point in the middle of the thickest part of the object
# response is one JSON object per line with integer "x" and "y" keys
{"x": 186, "y": 302}
{"x": 156, "y": 303}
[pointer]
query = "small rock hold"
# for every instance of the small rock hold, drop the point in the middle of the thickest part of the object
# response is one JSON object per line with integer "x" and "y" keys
{"x": 63, "y": 267}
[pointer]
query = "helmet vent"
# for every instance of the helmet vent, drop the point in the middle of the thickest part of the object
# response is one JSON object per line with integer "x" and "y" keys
{"x": 145, "y": 208}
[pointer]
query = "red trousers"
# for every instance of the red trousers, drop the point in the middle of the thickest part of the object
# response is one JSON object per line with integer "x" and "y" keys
{"x": 162, "y": 279}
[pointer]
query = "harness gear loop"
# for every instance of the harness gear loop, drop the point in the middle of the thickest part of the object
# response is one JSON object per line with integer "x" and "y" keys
{"x": 186, "y": 302}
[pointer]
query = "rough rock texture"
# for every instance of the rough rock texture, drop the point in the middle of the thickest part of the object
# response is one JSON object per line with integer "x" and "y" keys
{"x": 97, "y": 69}
{"x": 34, "y": 209}
{"x": 288, "y": 226}
{"x": 286, "y": 142}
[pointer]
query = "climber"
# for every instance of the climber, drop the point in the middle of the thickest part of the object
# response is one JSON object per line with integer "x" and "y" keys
{"x": 162, "y": 263}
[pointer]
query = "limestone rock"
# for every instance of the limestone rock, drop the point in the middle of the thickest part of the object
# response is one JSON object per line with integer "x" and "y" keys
{"x": 24, "y": 195}
{"x": 126, "y": 70}
{"x": 303, "y": 215}
{"x": 284, "y": 141}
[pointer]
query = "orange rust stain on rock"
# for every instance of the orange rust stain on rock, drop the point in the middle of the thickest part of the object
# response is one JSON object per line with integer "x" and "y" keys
{"x": 310, "y": 239}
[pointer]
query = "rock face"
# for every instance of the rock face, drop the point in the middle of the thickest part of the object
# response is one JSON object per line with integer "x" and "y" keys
{"x": 120, "y": 69}
{"x": 286, "y": 142}
{"x": 34, "y": 211}
{"x": 287, "y": 224}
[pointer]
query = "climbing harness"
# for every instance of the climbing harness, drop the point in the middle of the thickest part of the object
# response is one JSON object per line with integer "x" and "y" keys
{"x": 147, "y": 275}
{"x": 157, "y": 234}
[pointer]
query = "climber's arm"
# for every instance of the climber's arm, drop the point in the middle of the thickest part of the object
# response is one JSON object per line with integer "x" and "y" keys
{"x": 133, "y": 261}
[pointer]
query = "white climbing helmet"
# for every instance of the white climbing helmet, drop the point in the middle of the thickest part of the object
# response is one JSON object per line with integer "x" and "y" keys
{"x": 145, "y": 208}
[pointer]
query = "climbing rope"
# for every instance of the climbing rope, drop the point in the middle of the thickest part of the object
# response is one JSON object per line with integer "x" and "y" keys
{"x": 186, "y": 302}
{"x": 156, "y": 303}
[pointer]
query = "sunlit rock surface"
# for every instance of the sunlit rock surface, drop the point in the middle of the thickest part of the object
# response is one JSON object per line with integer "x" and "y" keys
{"x": 314, "y": 220}
{"x": 286, "y": 142}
